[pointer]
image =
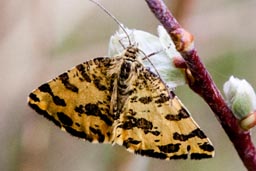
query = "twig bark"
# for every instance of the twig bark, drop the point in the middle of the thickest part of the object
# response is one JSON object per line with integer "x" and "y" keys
{"x": 203, "y": 84}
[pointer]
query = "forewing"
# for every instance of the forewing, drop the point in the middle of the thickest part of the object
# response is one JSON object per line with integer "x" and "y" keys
{"x": 78, "y": 100}
{"x": 155, "y": 123}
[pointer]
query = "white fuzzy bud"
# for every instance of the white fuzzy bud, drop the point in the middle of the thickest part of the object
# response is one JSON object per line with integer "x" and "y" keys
{"x": 241, "y": 99}
{"x": 163, "y": 46}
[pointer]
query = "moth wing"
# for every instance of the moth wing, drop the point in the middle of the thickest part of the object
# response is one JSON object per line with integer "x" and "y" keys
{"x": 78, "y": 100}
{"x": 156, "y": 124}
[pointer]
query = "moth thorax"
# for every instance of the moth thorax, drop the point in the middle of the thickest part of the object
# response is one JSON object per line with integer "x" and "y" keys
{"x": 131, "y": 52}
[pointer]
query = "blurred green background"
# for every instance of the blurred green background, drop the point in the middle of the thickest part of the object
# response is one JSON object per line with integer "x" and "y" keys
{"x": 41, "y": 39}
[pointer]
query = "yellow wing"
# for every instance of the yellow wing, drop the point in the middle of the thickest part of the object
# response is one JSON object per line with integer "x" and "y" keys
{"x": 155, "y": 123}
{"x": 78, "y": 100}
{"x": 117, "y": 100}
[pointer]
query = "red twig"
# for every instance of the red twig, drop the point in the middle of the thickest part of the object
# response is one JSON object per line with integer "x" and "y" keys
{"x": 203, "y": 84}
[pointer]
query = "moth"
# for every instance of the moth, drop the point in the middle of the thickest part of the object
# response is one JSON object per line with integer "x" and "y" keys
{"x": 118, "y": 100}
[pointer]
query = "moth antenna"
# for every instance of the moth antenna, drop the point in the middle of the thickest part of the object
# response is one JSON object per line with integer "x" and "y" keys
{"x": 151, "y": 63}
{"x": 113, "y": 17}
{"x": 122, "y": 27}
{"x": 154, "y": 53}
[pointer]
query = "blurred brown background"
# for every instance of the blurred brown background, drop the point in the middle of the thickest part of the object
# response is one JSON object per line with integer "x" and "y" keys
{"x": 43, "y": 38}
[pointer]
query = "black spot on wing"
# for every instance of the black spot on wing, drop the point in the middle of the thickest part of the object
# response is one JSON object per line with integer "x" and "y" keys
{"x": 134, "y": 122}
{"x": 101, "y": 137}
{"x": 182, "y": 115}
{"x": 65, "y": 81}
{"x": 199, "y": 156}
{"x": 151, "y": 153}
{"x": 79, "y": 109}
{"x": 64, "y": 119}
{"x": 91, "y": 109}
{"x": 188, "y": 148}
{"x": 33, "y": 97}
{"x": 144, "y": 124}
{"x": 132, "y": 112}
{"x": 145, "y": 100}
{"x": 77, "y": 124}
{"x": 104, "y": 61}
{"x": 199, "y": 133}
{"x": 45, "y": 114}
{"x": 77, "y": 133}
{"x": 130, "y": 141}
{"x": 47, "y": 89}
{"x": 58, "y": 101}
{"x": 82, "y": 71}
{"x": 169, "y": 148}
{"x": 156, "y": 133}
{"x": 162, "y": 99}
{"x": 195, "y": 133}
{"x": 134, "y": 99}
{"x": 108, "y": 134}
{"x": 98, "y": 84}
{"x": 207, "y": 147}
{"x": 182, "y": 156}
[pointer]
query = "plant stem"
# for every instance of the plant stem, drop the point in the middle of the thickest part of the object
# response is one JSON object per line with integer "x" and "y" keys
{"x": 203, "y": 84}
